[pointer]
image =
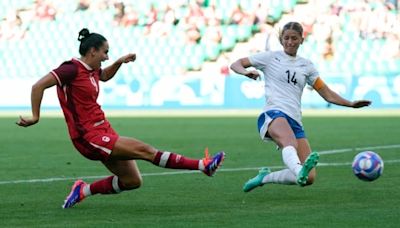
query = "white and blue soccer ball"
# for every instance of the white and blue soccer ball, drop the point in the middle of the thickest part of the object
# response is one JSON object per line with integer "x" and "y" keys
{"x": 367, "y": 166}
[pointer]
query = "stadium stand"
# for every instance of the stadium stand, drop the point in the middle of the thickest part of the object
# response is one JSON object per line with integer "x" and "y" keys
{"x": 172, "y": 37}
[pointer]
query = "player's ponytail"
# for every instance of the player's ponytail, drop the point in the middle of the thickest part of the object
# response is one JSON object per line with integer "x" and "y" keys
{"x": 84, "y": 33}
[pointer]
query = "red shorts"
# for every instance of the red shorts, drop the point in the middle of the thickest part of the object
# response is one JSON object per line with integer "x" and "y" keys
{"x": 97, "y": 145}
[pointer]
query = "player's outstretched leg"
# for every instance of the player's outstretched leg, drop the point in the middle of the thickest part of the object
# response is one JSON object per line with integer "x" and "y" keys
{"x": 212, "y": 164}
{"x": 308, "y": 165}
{"x": 207, "y": 165}
{"x": 257, "y": 180}
{"x": 76, "y": 195}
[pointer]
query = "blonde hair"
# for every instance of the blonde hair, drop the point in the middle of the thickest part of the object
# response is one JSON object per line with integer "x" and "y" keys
{"x": 296, "y": 26}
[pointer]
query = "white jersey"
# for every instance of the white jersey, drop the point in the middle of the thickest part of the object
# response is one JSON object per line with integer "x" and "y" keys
{"x": 285, "y": 77}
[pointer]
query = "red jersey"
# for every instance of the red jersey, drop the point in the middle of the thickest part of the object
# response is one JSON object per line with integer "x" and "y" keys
{"x": 77, "y": 90}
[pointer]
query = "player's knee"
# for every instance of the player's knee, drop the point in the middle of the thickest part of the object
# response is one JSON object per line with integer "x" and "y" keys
{"x": 311, "y": 178}
{"x": 132, "y": 183}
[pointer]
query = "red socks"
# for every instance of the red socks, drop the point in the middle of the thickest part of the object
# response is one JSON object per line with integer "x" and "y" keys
{"x": 108, "y": 185}
{"x": 111, "y": 184}
{"x": 175, "y": 161}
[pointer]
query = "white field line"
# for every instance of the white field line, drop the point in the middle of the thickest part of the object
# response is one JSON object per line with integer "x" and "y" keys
{"x": 212, "y": 113}
{"x": 53, "y": 179}
{"x": 359, "y": 149}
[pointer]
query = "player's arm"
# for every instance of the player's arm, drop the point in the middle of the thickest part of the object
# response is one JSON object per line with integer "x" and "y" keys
{"x": 332, "y": 97}
{"x": 111, "y": 70}
{"x": 36, "y": 99}
{"x": 240, "y": 65}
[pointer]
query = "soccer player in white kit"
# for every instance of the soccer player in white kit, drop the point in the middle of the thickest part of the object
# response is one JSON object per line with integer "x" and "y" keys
{"x": 285, "y": 76}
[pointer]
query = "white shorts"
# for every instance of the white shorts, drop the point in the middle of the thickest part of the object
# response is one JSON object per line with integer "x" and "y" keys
{"x": 265, "y": 119}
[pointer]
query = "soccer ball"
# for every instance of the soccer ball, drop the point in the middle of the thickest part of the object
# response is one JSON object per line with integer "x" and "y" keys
{"x": 367, "y": 166}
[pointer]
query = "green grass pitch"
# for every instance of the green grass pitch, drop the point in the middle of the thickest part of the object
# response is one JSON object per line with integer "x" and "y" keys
{"x": 39, "y": 164}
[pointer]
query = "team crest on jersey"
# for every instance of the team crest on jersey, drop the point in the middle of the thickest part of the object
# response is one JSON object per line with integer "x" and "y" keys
{"x": 105, "y": 139}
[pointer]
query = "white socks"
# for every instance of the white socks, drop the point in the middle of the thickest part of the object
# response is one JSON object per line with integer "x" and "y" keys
{"x": 284, "y": 176}
{"x": 86, "y": 190}
{"x": 201, "y": 165}
{"x": 291, "y": 159}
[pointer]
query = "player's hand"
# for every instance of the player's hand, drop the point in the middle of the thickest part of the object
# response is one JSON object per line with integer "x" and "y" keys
{"x": 26, "y": 122}
{"x": 253, "y": 74}
{"x": 361, "y": 103}
{"x": 131, "y": 57}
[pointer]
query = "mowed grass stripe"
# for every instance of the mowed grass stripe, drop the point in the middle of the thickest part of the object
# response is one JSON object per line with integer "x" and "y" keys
{"x": 53, "y": 179}
{"x": 342, "y": 112}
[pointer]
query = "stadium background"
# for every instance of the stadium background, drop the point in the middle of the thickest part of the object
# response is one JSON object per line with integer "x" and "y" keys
{"x": 184, "y": 48}
{"x": 355, "y": 45}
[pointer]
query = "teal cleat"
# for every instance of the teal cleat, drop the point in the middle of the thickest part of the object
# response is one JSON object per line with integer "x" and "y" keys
{"x": 257, "y": 180}
{"x": 308, "y": 165}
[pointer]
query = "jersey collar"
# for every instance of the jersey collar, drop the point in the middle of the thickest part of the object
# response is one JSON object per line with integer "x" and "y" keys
{"x": 292, "y": 58}
{"x": 84, "y": 64}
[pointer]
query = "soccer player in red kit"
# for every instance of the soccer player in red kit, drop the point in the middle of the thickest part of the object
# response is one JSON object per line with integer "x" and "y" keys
{"x": 77, "y": 83}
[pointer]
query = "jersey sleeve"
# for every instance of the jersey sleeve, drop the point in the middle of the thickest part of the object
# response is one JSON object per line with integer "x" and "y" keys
{"x": 260, "y": 60}
{"x": 65, "y": 73}
{"x": 312, "y": 73}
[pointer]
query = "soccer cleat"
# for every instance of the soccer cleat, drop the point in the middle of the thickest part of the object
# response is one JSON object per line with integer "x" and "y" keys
{"x": 257, "y": 180}
{"x": 212, "y": 164}
{"x": 76, "y": 194}
{"x": 308, "y": 165}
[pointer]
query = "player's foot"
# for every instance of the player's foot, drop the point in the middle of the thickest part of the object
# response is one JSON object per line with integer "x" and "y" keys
{"x": 76, "y": 194}
{"x": 308, "y": 165}
{"x": 212, "y": 164}
{"x": 257, "y": 180}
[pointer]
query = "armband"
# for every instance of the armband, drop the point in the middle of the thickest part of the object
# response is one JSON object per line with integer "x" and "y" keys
{"x": 318, "y": 84}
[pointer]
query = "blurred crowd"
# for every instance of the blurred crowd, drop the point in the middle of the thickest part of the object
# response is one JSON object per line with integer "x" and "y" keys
{"x": 16, "y": 23}
{"x": 325, "y": 22}
{"x": 198, "y": 20}
{"x": 201, "y": 20}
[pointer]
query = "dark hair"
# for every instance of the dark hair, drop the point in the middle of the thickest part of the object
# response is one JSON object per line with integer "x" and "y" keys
{"x": 89, "y": 40}
{"x": 294, "y": 26}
